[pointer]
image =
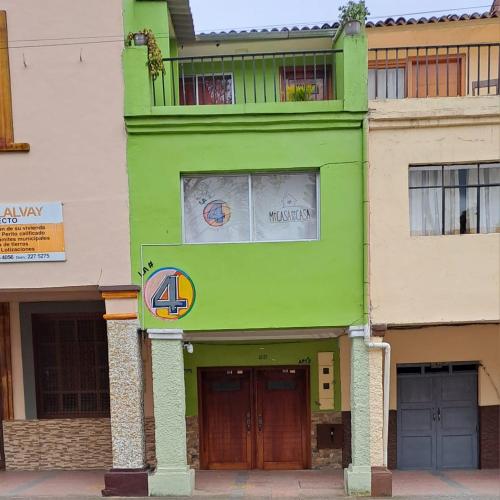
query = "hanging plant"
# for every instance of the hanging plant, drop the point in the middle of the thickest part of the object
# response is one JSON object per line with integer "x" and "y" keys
{"x": 155, "y": 57}
{"x": 353, "y": 11}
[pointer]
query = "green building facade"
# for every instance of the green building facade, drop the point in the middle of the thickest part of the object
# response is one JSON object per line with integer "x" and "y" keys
{"x": 246, "y": 177}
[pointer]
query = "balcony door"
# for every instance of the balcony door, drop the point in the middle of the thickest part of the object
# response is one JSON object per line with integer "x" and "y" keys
{"x": 254, "y": 418}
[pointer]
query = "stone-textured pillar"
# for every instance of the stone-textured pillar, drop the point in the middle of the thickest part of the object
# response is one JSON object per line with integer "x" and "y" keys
{"x": 376, "y": 407}
{"x": 357, "y": 477}
{"x": 128, "y": 477}
{"x": 125, "y": 382}
{"x": 173, "y": 475}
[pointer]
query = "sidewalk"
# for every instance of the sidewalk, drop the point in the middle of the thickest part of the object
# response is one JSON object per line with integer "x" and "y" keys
{"x": 306, "y": 484}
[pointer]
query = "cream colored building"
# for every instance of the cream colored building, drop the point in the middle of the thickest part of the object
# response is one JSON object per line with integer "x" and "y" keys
{"x": 434, "y": 236}
{"x": 62, "y": 147}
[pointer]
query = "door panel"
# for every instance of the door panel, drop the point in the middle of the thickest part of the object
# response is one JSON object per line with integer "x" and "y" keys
{"x": 416, "y": 423}
{"x": 254, "y": 418}
{"x": 281, "y": 415}
{"x": 437, "y": 419}
{"x": 226, "y": 409}
{"x": 457, "y": 421}
{"x": 428, "y": 78}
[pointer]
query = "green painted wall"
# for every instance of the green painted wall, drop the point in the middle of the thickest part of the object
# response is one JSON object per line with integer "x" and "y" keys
{"x": 260, "y": 354}
{"x": 254, "y": 285}
{"x": 251, "y": 285}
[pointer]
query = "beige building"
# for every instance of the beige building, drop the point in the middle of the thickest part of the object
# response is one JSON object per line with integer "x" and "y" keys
{"x": 64, "y": 229}
{"x": 434, "y": 233}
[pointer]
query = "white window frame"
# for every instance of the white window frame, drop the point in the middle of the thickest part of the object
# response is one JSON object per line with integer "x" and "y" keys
{"x": 250, "y": 207}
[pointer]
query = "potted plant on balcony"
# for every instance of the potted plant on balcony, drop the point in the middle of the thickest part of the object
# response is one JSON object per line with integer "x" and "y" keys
{"x": 300, "y": 92}
{"x": 352, "y": 15}
{"x": 155, "y": 57}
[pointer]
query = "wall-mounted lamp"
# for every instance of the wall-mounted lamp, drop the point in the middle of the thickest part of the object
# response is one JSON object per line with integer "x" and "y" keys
{"x": 189, "y": 347}
{"x": 140, "y": 39}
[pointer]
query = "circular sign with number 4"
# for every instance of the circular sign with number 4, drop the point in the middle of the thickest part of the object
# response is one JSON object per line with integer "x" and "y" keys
{"x": 169, "y": 293}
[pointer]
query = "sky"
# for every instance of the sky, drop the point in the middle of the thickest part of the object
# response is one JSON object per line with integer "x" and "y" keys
{"x": 218, "y": 15}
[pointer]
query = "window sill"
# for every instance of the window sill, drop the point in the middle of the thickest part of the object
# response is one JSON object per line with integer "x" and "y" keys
{"x": 15, "y": 147}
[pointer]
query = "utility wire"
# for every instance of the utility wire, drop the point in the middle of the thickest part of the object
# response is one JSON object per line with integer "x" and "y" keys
{"x": 90, "y": 39}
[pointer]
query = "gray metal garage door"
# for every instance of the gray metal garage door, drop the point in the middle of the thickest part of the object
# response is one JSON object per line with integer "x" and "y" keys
{"x": 437, "y": 416}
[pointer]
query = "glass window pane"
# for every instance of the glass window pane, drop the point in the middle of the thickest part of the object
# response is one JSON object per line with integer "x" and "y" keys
{"x": 460, "y": 212}
{"x": 395, "y": 83}
{"x": 489, "y": 212}
{"x": 489, "y": 174}
{"x": 425, "y": 211}
{"x": 216, "y": 209}
{"x": 460, "y": 175}
{"x": 284, "y": 206}
{"x": 425, "y": 176}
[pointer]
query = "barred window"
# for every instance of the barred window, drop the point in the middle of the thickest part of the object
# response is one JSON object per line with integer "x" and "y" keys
{"x": 71, "y": 364}
{"x": 455, "y": 199}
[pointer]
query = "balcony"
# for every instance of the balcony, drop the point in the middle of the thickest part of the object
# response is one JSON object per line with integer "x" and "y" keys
{"x": 434, "y": 71}
{"x": 256, "y": 78}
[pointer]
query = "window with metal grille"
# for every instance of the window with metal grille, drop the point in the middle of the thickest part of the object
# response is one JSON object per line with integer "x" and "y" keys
{"x": 71, "y": 365}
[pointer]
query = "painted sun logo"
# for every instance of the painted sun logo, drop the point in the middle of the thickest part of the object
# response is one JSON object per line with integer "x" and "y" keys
{"x": 217, "y": 213}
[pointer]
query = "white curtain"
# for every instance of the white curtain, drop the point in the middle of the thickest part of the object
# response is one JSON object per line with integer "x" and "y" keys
{"x": 425, "y": 202}
{"x": 489, "y": 212}
{"x": 395, "y": 83}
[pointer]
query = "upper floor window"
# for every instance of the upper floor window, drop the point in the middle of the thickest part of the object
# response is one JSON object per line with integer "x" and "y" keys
{"x": 236, "y": 208}
{"x": 455, "y": 199}
{"x": 7, "y": 142}
{"x": 206, "y": 89}
{"x": 431, "y": 75}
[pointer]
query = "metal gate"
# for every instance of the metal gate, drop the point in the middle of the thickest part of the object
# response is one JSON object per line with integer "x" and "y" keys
{"x": 437, "y": 416}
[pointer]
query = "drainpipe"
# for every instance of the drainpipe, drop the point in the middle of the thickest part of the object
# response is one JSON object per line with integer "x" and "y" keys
{"x": 387, "y": 378}
{"x": 366, "y": 295}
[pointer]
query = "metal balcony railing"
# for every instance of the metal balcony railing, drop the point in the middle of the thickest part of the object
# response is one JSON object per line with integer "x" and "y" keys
{"x": 434, "y": 71}
{"x": 247, "y": 78}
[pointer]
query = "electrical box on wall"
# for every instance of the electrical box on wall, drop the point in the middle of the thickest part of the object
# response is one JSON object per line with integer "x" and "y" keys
{"x": 325, "y": 380}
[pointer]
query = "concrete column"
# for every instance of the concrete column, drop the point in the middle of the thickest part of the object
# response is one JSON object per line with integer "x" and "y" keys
{"x": 357, "y": 477}
{"x": 173, "y": 475}
{"x": 128, "y": 476}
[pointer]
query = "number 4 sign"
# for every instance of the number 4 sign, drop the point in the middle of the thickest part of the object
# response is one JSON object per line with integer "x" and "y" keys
{"x": 169, "y": 293}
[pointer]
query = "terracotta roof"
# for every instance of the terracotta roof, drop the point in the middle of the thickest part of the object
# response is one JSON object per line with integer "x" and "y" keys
{"x": 317, "y": 29}
{"x": 401, "y": 21}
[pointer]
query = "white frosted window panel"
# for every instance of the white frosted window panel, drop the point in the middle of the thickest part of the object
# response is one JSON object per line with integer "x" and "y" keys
{"x": 216, "y": 209}
{"x": 284, "y": 207}
{"x": 425, "y": 202}
{"x": 425, "y": 211}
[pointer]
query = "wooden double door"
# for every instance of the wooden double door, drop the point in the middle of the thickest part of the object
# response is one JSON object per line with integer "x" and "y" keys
{"x": 254, "y": 418}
